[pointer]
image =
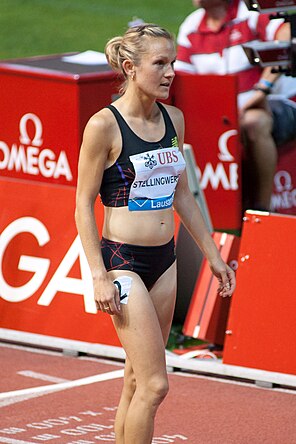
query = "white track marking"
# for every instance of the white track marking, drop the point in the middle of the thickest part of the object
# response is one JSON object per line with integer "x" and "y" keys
{"x": 14, "y": 441}
{"x": 12, "y": 397}
{"x": 41, "y": 376}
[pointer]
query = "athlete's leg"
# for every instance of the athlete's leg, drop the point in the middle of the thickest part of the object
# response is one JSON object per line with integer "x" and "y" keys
{"x": 129, "y": 387}
{"x": 163, "y": 295}
{"x": 139, "y": 331}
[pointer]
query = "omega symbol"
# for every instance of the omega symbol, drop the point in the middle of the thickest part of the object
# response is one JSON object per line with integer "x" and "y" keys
{"x": 282, "y": 181}
{"x": 24, "y": 137}
{"x": 224, "y": 154}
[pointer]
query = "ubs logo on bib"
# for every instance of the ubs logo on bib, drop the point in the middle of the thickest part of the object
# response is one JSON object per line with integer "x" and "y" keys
{"x": 150, "y": 161}
{"x": 167, "y": 157}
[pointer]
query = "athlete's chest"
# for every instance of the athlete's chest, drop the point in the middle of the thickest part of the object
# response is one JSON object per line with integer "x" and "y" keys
{"x": 156, "y": 176}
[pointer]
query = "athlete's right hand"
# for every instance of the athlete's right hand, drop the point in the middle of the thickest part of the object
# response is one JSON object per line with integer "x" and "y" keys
{"x": 106, "y": 295}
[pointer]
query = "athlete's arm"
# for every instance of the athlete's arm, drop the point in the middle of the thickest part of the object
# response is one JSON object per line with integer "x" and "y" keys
{"x": 94, "y": 154}
{"x": 192, "y": 218}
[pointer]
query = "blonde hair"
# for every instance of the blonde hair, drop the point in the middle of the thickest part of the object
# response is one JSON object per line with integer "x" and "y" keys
{"x": 131, "y": 46}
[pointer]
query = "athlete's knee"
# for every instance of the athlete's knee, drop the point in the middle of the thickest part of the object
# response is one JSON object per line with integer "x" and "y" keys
{"x": 157, "y": 389}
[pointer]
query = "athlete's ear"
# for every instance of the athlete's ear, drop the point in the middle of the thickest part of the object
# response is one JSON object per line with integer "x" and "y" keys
{"x": 129, "y": 68}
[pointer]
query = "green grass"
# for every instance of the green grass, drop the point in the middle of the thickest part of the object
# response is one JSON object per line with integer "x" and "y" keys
{"x": 39, "y": 27}
{"x": 178, "y": 341}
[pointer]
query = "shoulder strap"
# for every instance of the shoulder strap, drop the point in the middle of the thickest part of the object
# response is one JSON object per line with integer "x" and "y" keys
{"x": 125, "y": 129}
{"x": 166, "y": 117}
{"x": 117, "y": 115}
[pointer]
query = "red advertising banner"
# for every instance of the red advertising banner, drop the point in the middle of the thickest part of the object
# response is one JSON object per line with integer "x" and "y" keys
{"x": 45, "y": 281}
{"x": 284, "y": 189}
{"x": 46, "y": 104}
{"x": 211, "y": 118}
{"x": 212, "y": 130}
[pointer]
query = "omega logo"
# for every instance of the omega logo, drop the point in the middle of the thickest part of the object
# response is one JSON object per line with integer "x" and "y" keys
{"x": 225, "y": 172}
{"x": 282, "y": 181}
{"x": 28, "y": 157}
{"x": 284, "y": 196}
{"x": 24, "y": 138}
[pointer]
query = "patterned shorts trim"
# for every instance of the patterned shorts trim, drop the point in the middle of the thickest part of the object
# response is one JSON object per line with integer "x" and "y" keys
{"x": 148, "y": 262}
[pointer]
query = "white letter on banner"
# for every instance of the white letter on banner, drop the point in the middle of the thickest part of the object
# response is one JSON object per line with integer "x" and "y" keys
{"x": 5, "y": 150}
{"x": 233, "y": 176}
{"x": 63, "y": 167}
{"x": 60, "y": 281}
{"x": 32, "y": 160}
{"x": 224, "y": 153}
{"x": 214, "y": 177}
{"x": 18, "y": 159}
{"x": 26, "y": 263}
{"x": 47, "y": 163}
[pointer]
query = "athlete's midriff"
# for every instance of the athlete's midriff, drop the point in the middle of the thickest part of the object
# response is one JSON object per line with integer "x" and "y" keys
{"x": 146, "y": 228}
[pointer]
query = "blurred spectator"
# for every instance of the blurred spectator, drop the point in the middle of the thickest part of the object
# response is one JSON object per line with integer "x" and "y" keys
{"x": 209, "y": 42}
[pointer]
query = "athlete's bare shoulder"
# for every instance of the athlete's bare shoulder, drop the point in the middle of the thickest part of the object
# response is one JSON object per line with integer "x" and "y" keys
{"x": 175, "y": 113}
{"x": 103, "y": 120}
{"x": 100, "y": 131}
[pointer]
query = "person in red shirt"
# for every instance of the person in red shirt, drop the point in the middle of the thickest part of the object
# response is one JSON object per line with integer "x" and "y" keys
{"x": 210, "y": 42}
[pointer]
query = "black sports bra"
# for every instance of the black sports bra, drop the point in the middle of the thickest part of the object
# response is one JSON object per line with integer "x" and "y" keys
{"x": 119, "y": 178}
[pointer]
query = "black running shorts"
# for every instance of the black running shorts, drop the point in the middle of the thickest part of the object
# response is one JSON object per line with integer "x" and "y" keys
{"x": 148, "y": 262}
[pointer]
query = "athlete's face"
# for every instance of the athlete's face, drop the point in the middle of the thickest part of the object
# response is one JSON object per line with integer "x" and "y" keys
{"x": 155, "y": 73}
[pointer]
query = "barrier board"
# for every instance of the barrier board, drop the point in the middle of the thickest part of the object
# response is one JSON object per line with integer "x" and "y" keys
{"x": 261, "y": 325}
{"x": 208, "y": 311}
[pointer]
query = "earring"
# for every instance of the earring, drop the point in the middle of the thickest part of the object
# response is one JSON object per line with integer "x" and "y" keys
{"x": 133, "y": 75}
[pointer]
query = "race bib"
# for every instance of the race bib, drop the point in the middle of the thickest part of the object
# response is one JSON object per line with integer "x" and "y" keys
{"x": 156, "y": 176}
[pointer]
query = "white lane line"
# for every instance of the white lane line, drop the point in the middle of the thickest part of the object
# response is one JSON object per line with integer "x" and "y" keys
{"x": 7, "y": 398}
{"x": 41, "y": 376}
{"x": 65, "y": 385}
{"x": 11, "y": 401}
{"x": 14, "y": 441}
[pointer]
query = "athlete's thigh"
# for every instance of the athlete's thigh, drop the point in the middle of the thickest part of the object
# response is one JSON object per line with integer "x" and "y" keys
{"x": 163, "y": 295}
{"x": 139, "y": 331}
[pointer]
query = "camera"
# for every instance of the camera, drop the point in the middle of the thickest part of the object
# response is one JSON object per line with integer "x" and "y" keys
{"x": 268, "y": 53}
{"x": 271, "y": 5}
{"x": 278, "y": 54}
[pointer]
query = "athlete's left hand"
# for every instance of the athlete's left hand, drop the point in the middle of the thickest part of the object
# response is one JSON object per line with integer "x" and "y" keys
{"x": 225, "y": 276}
